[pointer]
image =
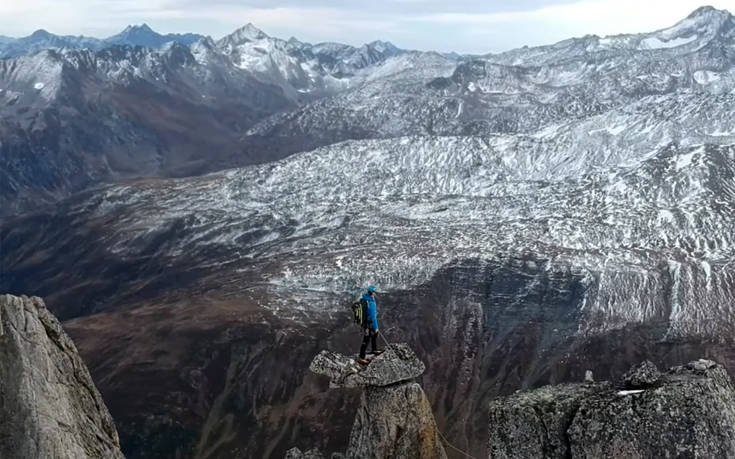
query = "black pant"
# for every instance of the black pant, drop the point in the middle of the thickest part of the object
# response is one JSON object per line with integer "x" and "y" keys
{"x": 369, "y": 335}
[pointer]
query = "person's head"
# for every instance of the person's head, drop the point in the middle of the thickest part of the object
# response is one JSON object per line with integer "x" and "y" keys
{"x": 372, "y": 290}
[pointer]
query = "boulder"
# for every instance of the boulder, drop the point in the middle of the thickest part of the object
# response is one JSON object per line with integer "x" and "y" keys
{"x": 642, "y": 376}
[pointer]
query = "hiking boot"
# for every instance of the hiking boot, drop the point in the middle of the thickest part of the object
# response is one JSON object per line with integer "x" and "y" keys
{"x": 363, "y": 361}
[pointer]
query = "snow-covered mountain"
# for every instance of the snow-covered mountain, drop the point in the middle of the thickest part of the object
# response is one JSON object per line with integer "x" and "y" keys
{"x": 184, "y": 100}
{"x": 73, "y": 118}
{"x": 705, "y": 26}
{"x": 305, "y": 71}
{"x": 139, "y": 35}
{"x": 527, "y": 216}
{"x": 520, "y": 91}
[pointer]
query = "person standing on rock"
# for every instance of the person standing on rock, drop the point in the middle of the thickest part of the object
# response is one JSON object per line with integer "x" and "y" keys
{"x": 370, "y": 326}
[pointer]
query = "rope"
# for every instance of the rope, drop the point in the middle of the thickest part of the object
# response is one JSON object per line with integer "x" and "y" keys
{"x": 451, "y": 445}
{"x": 437, "y": 427}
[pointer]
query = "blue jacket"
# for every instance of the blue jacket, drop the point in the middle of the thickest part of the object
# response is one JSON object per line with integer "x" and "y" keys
{"x": 372, "y": 311}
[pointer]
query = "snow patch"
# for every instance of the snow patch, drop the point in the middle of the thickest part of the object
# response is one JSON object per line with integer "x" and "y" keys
{"x": 665, "y": 215}
{"x": 613, "y": 130}
{"x": 685, "y": 160}
{"x": 706, "y": 76}
{"x": 38, "y": 86}
{"x": 721, "y": 133}
{"x": 630, "y": 392}
{"x": 656, "y": 43}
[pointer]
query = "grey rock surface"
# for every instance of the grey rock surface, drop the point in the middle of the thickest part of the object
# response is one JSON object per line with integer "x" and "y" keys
{"x": 534, "y": 424}
{"x": 690, "y": 414}
{"x": 395, "y": 421}
{"x": 397, "y": 364}
{"x": 642, "y": 376}
{"x": 49, "y": 406}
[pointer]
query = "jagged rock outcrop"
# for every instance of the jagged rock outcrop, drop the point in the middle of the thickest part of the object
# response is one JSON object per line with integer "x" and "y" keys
{"x": 687, "y": 412}
{"x": 49, "y": 406}
{"x": 398, "y": 363}
{"x": 394, "y": 418}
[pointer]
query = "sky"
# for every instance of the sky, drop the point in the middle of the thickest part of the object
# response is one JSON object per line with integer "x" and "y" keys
{"x": 464, "y": 26}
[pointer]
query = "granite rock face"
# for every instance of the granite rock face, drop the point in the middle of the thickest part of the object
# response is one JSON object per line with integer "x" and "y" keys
{"x": 49, "y": 406}
{"x": 394, "y": 418}
{"x": 398, "y": 363}
{"x": 688, "y": 412}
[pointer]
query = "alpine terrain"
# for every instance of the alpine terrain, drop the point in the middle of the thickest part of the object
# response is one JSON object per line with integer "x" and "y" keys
{"x": 217, "y": 205}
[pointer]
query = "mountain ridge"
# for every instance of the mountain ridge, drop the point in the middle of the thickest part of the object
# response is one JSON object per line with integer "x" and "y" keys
{"x": 249, "y": 31}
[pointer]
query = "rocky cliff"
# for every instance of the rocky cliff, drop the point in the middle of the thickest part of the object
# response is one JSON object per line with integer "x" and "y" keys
{"x": 49, "y": 406}
{"x": 687, "y": 412}
{"x": 394, "y": 418}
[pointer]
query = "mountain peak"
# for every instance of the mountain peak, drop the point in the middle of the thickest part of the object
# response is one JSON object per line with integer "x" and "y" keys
{"x": 250, "y": 32}
{"x": 706, "y": 10}
{"x": 244, "y": 34}
{"x": 41, "y": 34}
{"x": 708, "y": 14}
{"x": 705, "y": 21}
{"x": 143, "y": 35}
{"x": 383, "y": 46}
{"x": 138, "y": 29}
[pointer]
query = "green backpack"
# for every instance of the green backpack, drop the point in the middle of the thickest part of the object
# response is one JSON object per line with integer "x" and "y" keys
{"x": 359, "y": 311}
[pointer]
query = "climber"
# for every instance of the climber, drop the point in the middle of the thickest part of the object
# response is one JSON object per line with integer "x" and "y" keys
{"x": 370, "y": 327}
